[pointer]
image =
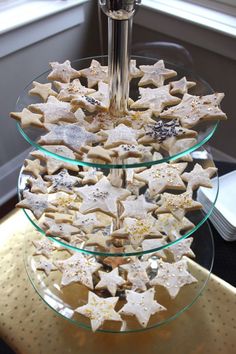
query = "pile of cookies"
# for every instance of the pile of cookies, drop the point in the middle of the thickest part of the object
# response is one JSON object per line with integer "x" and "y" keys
{"x": 77, "y": 116}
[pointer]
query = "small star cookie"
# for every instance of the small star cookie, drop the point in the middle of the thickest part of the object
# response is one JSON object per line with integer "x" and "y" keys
{"x": 137, "y": 208}
{"x": 98, "y": 239}
{"x": 137, "y": 274}
{"x": 34, "y": 167}
{"x": 181, "y": 86}
{"x": 69, "y": 91}
{"x": 99, "y": 310}
{"x": 63, "y": 182}
{"x": 152, "y": 244}
{"x": 155, "y": 74}
{"x": 178, "y": 204}
{"x": 121, "y": 134}
{"x": 28, "y": 118}
{"x": 43, "y": 247}
{"x": 180, "y": 249}
{"x": 95, "y": 73}
{"x": 193, "y": 109}
{"x": 110, "y": 281}
{"x": 62, "y": 230}
{"x": 38, "y": 185}
{"x": 87, "y": 222}
{"x": 88, "y": 103}
{"x": 115, "y": 261}
{"x": 199, "y": 177}
{"x": 137, "y": 119}
{"x": 171, "y": 227}
{"x": 90, "y": 176}
{"x": 46, "y": 266}
{"x": 155, "y": 99}
{"x": 134, "y": 72}
{"x": 64, "y": 202}
{"x": 173, "y": 276}
{"x": 42, "y": 90}
{"x": 62, "y": 72}
{"x": 142, "y": 306}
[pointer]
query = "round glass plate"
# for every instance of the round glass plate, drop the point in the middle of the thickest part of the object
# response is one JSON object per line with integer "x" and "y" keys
{"x": 65, "y": 299}
{"x": 203, "y": 131}
{"x": 148, "y": 233}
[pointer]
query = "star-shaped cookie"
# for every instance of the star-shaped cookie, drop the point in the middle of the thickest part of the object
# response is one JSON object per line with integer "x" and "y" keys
{"x": 34, "y": 167}
{"x": 142, "y": 306}
{"x": 181, "y": 86}
{"x": 101, "y": 197}
{"x": 63, "y": 181}
{"x": 110, "y": 281}
{"x": 78, "y": 268}
{"x": 42, "y": 90}
{"x": 62, "y": 230}
{"x": 199, "y": 177}
{"x": 155, "y": 99}
{"x": 72, "y": 135}
{"x": 138, "y": 208}
{"x": 69, "y": 91}
{"x": 99, "y": 310}
{"x": 46, "y": 266}
{"x": 54, "y": 111}
{"x": 87, "y": 222}
{"x": 137, "y": 274}
{"x": 28, "y": 118}
{"x": 155, "y": 74}
{"x": 181, "y": 248}
{"x": 163, "y": 176}
{"x": 193, "y": 109}
{"x": 177, "y": 204}
{"x": 64, "y": 202}
{"x": 98, "y": 239}
{"x": 173, "y": 276}
{"x": 90, "y": 176}
{"x": 121, "y": 134}
{"x": 149, "y": 245}
{"x": 43, "y": 247}
{"x": 95, "y": 73}
{"x": 38, "y": 185}
{"x": 37, "y": 203}
{"x": 115, "y": 261}
{"x": 134, "y": 72}
{"x": 62, "y": 72}
{"x": 171, "y": 227}
{"x": 137, "y": 119}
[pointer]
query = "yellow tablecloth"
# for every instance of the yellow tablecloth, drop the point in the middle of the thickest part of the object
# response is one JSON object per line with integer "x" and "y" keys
{"x": 30, "y": 327}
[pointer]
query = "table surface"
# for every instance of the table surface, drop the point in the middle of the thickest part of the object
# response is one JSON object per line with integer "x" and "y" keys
{"x": 28, "y": 326}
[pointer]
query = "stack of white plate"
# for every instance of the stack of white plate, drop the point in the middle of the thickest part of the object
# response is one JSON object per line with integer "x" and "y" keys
{"x": 223, "y": 216}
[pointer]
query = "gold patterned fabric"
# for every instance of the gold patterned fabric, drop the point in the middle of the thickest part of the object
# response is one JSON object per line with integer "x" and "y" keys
{"x": 30, "y": 327}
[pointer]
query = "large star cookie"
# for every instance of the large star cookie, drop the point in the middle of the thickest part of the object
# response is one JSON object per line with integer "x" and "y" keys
{"x": 101, "y": 197}
{"x": 193, "y": 109}
{"x": 173, "y": 276}
{"x": 110, "y": 281}
{"x": 163, "y": 176}
{"x": 199, "y": 177}
{"x": 95, "y": 73}
{"x": 99, "y": 310}
{"x": 155, "y": 99}
{"x": 54, "y": 111}
{"x": 137, "y": 274}
{"x": 142, "y": 306}
{"x": 155, "y": 74}
{"x": 62, "y": 71}
{"x": 78, "y": 268}
{"x": 71, "y": 135}
{"x": 178, "y": 205}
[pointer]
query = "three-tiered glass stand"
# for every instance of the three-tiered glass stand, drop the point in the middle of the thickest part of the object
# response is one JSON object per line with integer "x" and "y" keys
{"x": 123, "y": 250}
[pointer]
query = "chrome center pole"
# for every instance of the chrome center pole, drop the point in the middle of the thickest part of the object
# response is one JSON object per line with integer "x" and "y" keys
{"x": 120, "y": 18}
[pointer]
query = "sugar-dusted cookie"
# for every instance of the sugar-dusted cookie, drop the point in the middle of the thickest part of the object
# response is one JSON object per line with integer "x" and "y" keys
{"x": 174, "y": 146}
{"x": 98, "y": 239}
{"x": 152, "y": 244}
{"x": 121, "y": 134}
{"x": 137, "y": 229}
{"x": 62, "y": 71}
{"x": 181, "y": 248}
{"x": 155, "y": 99}
{"x": 95, "y": 73}
{"x": 137, "y": 119}
{"x": 60, "y": 217}
{"x": 90, "y": 176}
{"x": 38, "y": 185}
{"x": 163, "y": 176}
{"x": 181, "y": 86}
{"x": 100, "y": 121}
{"x": 71, "y": 90}
{"x": 34, "y": 167}
{"x": 65, "y": 202}
{"x": 171, "y": 227}
{"x": 28, "y": 118}
{"x": 99, "y": 310}
{"x": 71, "y": 135}
{"x": 62, "y": 230}
{"x": 54, "y": 164}
{"x": 173, "y": 276}
{"x": 178, "y": 204}
{"x": 155, "y": 74}
{"x": 88, "y": 103}
{"x": 125, "y": 151}
{"x": 161, "y": 130}
{"x": 78, "y": 268}
{"x": 37, "y": 203}
{"x": 110, "y": 281}
{"x": 137, "y": 274}
{"x": 43, "y": 247}
{"x": 199, "y": 177}
{"x": 99, "y": 153}
{"x": 42, "y": 90}
{"x": 138, "y": 208}
{"x": 63, "y": 181}
{"x": 134, "y": 186}
{"x": 54, "y": 111}
{"x": 193, "y": 109}
{"x": 87, "y": 222}
{"x": 46, "y": 266}
{"x": 142, "y": 306}
{"x": 134, "y": 72}
{"x": 101, "y": 196}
